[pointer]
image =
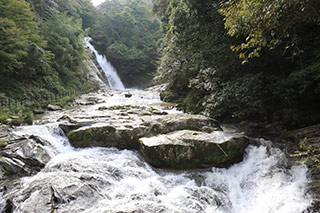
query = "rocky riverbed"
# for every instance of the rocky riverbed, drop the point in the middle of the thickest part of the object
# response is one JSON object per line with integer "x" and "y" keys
{"x": 53, "y": 166}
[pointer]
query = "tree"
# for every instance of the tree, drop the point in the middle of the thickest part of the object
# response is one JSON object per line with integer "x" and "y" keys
{"x": 205, "y": 76}
{"x": 18, "y": 31}
{"x": 264, "y": 24}
{"x": 65, "y": 42}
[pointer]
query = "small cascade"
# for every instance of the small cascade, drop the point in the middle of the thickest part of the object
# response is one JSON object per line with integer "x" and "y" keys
{"x": 112, "y": 75}
{"x": 110, "y": 180}
{"x": 51, "y": 133}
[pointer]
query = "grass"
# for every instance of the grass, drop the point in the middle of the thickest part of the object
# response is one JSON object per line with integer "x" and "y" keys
{"x": 18, "y": 115}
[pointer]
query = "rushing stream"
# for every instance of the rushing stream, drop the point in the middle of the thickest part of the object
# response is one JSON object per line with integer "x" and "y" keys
{"x": 96, "y": 180}
{"x": 110, "y": 180}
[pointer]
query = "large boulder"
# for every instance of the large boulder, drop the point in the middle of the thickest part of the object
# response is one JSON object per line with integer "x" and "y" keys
{"x": 126, "y": 134}
{"x": 193, "y": 149}
{"x": 67, "y": 192}
{"x": 23, "y": 156}
{"x": 106, "y": 136}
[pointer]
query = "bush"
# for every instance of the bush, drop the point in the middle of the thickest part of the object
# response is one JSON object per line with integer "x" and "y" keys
{"x": 3, "y": 117}
{"x": 27, "y": 117}
{"x": 16, "y": 122}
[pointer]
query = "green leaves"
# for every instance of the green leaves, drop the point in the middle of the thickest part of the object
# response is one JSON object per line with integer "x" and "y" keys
{"x": 41, "y": 47}
{"x": 266, "y": 24}
{"x": 64, "y": 41}
{"x": 18, "y": 30}
{"x": 308, "y": 153}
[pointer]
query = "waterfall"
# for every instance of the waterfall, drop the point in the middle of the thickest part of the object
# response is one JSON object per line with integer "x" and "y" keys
{"x": 112, "y": 75}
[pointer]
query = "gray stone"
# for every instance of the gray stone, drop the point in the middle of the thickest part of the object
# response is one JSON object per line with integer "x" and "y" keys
{"x": 125, "y": 135}
{"x": 187, "y": 149}
{"x": 53, "y": 107}
{"x": 24, "y": 156}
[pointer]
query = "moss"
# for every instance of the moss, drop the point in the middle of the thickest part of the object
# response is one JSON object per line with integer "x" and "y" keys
{"x": 183, "y": 165}
{"x": 87, "y": 137}
{"x": 207, "y": 129}
{"x": 7, "y": 172}
{"x": 27, "y": 117}
{"x": 3, "y": 143}
{"x": 217, "y": 158}
{"x": 309, "y": 152}
{"x": 168, "y": 96}
{"x": 3, "y": 118}
{"x": 195, "y": 155}
{"x": 155, "y": 130}
{"x": 141, "y": 145}
{"x": 63, "y": 101}
{"x": 71, "y": 134}
{"x": 16, "y": 122}
{"x": 38, "y": 111}
{"x": 93, "y": 99}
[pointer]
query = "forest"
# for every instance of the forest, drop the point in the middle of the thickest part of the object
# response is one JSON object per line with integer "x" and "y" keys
{"x": 242, "y": 60}
{"x": 230, "y": 60}
{"x": 41, "y": 46}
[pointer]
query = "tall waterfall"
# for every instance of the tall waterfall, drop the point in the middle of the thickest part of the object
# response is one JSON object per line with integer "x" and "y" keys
{"x": 112, "y": 75}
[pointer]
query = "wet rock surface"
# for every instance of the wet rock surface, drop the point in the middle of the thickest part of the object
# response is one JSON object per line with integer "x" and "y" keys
{"x": 23, "y": 156}
{"x": 65, "y": 193}
{"x": 125, "y": 133}
{"x": 53, "y": 107}
{"x": 67, "y": 184}
{"x": 187, "y": 149}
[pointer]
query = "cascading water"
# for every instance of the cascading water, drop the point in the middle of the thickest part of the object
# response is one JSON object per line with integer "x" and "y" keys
{"x": 110, "y": 180}
{"x": 111, "y": 74}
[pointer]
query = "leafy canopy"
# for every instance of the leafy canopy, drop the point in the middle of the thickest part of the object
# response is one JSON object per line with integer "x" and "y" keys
{"x": 264, "y": 24}
{"x": 18, "y": 31}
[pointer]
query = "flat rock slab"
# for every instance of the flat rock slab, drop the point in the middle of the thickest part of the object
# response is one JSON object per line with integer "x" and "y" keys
{"x": 126, "y": 134}
{"x": 188, "y": 149}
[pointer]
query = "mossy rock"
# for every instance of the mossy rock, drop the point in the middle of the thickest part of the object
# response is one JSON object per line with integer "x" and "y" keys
{"x": 191, "y": 149}
{"x": 91, "y": 136}
{"x": 168, "y": 96}
{"x": 105, "y": 136}
{"x": 125, "y": 135}
{"x": 3, "y": 143}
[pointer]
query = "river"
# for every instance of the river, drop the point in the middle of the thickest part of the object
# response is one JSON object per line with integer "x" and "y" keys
{"x": 111, "y": 180}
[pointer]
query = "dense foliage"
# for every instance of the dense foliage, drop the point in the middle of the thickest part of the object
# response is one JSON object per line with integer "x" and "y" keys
{"x": 19, "y": 32}
{"x": 278, "y": 39}
{"x": 127, "y": 33}
{"x": 266, "y": 24}
{"x": 41, "y": 46}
